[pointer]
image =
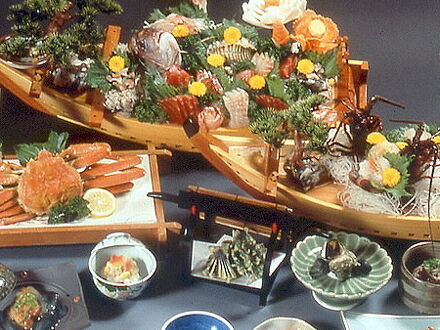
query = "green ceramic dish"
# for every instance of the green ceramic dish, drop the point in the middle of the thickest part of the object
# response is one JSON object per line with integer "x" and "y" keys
{"x": 327, "y": 290}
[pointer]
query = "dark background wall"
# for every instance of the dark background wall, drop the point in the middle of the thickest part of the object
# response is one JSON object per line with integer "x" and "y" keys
{"x": 400, "y": 39}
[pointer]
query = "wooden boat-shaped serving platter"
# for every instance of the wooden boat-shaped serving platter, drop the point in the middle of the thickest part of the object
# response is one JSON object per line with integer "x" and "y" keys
{"x": 244, "y": 161}
{"x": 78, "y": 110}
{"x": 135, "y": 213}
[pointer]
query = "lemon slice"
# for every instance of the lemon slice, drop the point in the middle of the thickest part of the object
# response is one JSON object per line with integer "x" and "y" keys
{"x": 102, "y": 203}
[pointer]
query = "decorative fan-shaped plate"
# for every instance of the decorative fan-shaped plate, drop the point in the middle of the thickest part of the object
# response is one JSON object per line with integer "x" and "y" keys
{"x": 327, "y": 289}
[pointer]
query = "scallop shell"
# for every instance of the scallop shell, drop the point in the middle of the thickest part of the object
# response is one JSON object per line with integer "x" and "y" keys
{"x": 243, "y": 50}
{"x": 237, "y": 103}
{"x": 263, "y": 64}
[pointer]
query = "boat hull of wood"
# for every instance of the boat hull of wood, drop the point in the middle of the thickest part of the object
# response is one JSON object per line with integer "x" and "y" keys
{"x": 77, "y": 110}
{"x": 321, "y": 204}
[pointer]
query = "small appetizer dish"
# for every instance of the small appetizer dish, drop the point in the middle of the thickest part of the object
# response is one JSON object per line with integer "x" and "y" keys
{"x": 341, "y": 269}
{"x": 419, "y": 282}
{"x": 197, "y": 320}
{"x": 283, "y": 323}
{"x": 46, "y": 298}
{"x": 121, "y": 266}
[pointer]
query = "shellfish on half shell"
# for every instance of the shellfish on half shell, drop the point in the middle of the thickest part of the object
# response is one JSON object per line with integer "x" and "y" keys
{"x": 237, "y": 103}
{"x": 263, "y": 64}
{"x": 157, "y": 49}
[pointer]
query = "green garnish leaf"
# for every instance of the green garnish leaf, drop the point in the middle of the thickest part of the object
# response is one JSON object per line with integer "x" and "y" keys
{"x": 75, "y": 209}
{"x": 97, "y": 76}
{"x": 329, "y": 61}
{"x": 401, "y": 163}
{"x": 55, "y": 144}
{"x": 431, "y": 263}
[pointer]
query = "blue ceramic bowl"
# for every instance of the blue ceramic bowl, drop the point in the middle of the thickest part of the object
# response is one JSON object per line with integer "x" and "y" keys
{"x": 197, "y": 320}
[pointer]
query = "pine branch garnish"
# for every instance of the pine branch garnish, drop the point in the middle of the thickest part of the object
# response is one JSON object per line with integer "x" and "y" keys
{"x": 270, "y": 125}
{"x": 299, "y": 117}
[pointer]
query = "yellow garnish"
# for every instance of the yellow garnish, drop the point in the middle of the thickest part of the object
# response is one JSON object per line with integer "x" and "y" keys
{"x": 375, "y": 138}
{"x": 317, "y": 28}
{"x": 305, "y": 66}
{"x": 216, "y": 60}
{"x": 116, "y": 63}
{"x": 257, "y": 82}
{"x": 232, "y": 35}
{"x": 271, "y": 3}
{"x": 436, "y": 139}
{"x": 102, "y": 203}
{"x": 180, "y": 31}
{"x": 401, "y": 145}
{"x": 390, "y": 177}
{"x": 197, "y": 88}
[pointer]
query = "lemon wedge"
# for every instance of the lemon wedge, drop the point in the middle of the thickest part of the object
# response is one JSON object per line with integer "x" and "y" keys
{"x": 102, "y": 203}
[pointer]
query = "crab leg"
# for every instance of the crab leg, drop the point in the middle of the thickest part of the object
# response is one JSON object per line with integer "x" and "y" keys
{"x": 114, "y": 179}
{"x": 11, "y": 211}
{"x": 16, "y": 219}
{"x": 7, "y": 194}
{"x": 123, "y": 163}
{"x": 120, "y": 188}
{"x": 8, "y": 204}
{"x": 86, "y": 154}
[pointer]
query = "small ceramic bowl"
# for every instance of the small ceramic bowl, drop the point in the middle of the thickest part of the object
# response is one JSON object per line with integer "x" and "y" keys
{"x": 122, "y": 244}
{"x": 327, "y": 290}
{"x": 197, "y": 320}
{"x": 283, "y": 323}
{"x": 419, "y": 295}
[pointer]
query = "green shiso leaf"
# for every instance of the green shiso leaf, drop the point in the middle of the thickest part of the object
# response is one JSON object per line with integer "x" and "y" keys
{"x": 401, "y": 163}
{"x": 97, "y": 76}
{"x": 55, "y": 144}
{"x": 329, "y": 61}
{"x": 75, "y": 209}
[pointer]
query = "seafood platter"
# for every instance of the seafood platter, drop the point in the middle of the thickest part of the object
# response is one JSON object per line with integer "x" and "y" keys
{"x": 179, "y": 63}
{"x": 50, "y": 189}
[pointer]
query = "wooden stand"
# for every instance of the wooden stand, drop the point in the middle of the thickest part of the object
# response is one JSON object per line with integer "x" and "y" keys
{"x": 278, "y": 223}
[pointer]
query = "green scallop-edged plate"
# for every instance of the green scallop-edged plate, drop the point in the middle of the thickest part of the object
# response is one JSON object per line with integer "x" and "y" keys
{"x": 328, "y": 291}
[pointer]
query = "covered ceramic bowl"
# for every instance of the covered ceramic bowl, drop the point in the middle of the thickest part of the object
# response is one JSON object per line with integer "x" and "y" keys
{"x": 122, "y": 245}
{"x": 419, "y": 295}
{"x": 332, "y": 292}
{"x": 7, "y": 285}
{"x": 197, "y": 320}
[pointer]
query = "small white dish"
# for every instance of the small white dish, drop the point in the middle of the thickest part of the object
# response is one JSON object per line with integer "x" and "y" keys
{"x": 284, "y": 323}
{"x": 122, "y": 244}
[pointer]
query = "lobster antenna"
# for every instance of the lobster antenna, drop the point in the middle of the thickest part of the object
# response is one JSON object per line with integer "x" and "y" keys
{"x": 377, "y": 98}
